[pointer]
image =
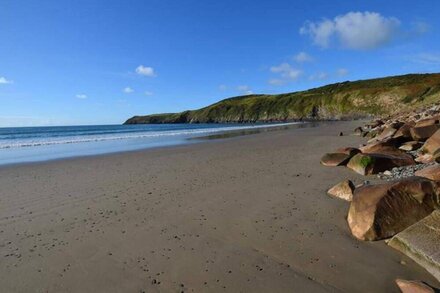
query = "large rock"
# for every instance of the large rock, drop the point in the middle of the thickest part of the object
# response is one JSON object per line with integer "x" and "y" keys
{"x": 366, "y": 164}
{"x": 424, "y": 158}
{"x": 358, "y": 131}
{"x": 376, "y": 145}
{"x": 431, "y": 172}
{"x": 410, "y": 146}
{"x": 428, "y": 121}
{"x": 382, "y": 210}
{"x": 348, "y": 151}
{"x": 343, "y": 190}
{"x": 372, "y": 133}
{"x": 386, "y": 133}
{"x": 414, "y": 287}
{"x": 335, "y": 159}
{"x": 432, "y": 144}
{"x": 385, "y": 148}
{"x": 374, "y": 123}
{"x": 423, "y": 132}
{"x": 404, "y": 132}
{"x": 421, "y": 242}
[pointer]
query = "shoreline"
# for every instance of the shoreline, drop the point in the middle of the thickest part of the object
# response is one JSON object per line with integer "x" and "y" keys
{"x": 143, "y": 140}
{"x": 248, "y": 213}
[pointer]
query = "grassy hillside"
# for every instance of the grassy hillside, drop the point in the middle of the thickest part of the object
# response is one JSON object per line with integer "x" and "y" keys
{"x": 335, "y": 101}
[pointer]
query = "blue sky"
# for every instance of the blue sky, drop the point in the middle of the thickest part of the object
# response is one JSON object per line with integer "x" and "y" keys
{"x": 100, "y": 61}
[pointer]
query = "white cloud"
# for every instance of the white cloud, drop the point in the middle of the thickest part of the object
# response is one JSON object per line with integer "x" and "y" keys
{"x": 320, "y": 32}
{"x": 302, "y": 57}
{"x": 145, "y": 71}
{"x": 128, "y": 90}
{"x": 342, "y": 72}
{"x": 3, "y": 80}
{"x": 354, "y": 30}
{"x": 148, "y": 93}
{"x": 81, "y": 96}
{"x": 286, "y": 73}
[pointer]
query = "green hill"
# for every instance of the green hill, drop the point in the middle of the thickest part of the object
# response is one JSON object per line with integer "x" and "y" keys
{"x": 345, "y": 100}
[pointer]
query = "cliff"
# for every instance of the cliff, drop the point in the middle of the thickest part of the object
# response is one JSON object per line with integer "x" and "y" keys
{"x": 345, "y": 100}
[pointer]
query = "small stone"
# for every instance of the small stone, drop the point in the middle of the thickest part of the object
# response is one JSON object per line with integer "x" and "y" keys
{"x": 343, "y": 190}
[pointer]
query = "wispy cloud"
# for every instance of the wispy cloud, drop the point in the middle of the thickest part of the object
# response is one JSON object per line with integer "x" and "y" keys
{"x": 341, "y": 72}
{"x": 128, "y": 90}
{"x": 420, "y": 27}
{"x": 322, "y": 75}
{"x": 354, "y": 30}
{"x": 145, "y": 71}
{"x": 148, "y": 93}
{"x": 319, "y": 76}
{"x": 223, "y": 87}
{"x": 286, "y": 73}
{"x": 302, "y": 57}
{"x": 81, "y": 96}
{"x": 3, "y": 80}
{"x": 428, "y": 58}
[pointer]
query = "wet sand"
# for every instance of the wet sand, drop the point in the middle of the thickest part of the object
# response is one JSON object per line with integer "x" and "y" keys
{"x": 244, "y": 214}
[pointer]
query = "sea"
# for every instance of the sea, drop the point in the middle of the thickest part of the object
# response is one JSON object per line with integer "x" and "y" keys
{"x": 32, "y": 144}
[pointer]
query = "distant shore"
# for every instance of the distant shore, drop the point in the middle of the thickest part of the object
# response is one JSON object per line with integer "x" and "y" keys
{"x": 245, "y": 214}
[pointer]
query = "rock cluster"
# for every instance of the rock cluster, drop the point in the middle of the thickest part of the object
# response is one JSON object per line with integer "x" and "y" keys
{"x": 404, "y": 151}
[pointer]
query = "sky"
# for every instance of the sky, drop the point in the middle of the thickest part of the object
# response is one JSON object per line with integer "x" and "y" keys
{"x": 66, "y": 62}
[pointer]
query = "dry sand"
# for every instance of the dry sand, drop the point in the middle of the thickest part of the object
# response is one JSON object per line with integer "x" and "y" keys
{"x": 246, "y": 214}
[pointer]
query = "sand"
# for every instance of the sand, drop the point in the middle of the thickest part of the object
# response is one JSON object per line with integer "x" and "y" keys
{"x": 245, "y": 214}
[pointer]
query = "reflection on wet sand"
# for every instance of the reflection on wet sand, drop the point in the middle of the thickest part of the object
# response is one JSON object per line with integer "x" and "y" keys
{"x": 235, "y": 133}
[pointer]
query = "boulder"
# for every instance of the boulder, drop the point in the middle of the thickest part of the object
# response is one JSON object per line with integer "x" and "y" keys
{"x": 348, "y": 151}
{"x": 343, "y": 190}
{"x": 424, "y": 158}
{"x": 375, "y": 123}
{"x": 436, "y": 156}
{"x": 421, "y": 242}
{"x": 427, "y": 121}
{"x": 414, "y": 287}
{"x": 385, "y": 148}
{"x": 432, "y": 144}
{"x": 335, "y": 159}
{"x": 431, "y": 172}
{"x": 404, "y": 132}
{"x": 423, "y": 132}
{"x": 366, "y": 164}
{"x": 410, "y": 146}
{"x": 358, "y": 131}
{"x": 386, "y": 133}
{"x": 382, "y": 210}
{"x": 372, "y": 133}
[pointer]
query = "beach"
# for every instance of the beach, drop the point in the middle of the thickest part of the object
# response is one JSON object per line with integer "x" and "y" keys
{"x": 243, "y": 214}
